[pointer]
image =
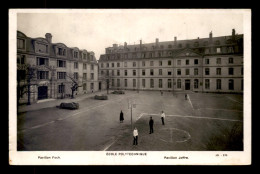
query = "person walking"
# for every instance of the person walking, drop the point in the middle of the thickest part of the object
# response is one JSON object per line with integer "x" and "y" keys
{"x": 163, "y": 117}
{"x": 121, "y": 117}
{"x": 151, "y": 125}
{"x": 135, "y": 135}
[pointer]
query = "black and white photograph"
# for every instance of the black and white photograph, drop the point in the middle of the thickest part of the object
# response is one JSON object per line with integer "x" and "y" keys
{"x": 130, "y": 86}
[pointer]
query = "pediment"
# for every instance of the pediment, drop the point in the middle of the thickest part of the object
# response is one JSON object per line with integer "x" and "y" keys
{"x": 187, "y": 53}
{"x": 42, "y": 40}
{"x": 60, "y": 45}
{"x": 20, "y": 34}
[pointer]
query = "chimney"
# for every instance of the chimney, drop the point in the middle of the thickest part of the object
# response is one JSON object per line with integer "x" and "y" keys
{"x": 233, "y": 34}
{"x": 198, "y": 38}
{"x": 115, "y": 45}
{"x": 157, "y": 42}
{"x": 175, "y": 40}
{"x": 125, "y": 45}
{"x": 210, "y": 37}
{"x": 48, "y": 36}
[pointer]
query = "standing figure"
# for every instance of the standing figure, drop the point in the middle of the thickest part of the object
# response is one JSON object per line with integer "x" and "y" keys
{"x": 135, "y": 134}
{"x": 121, "y": 118}
{"x": 163, "y": 117}
{"x": 151, "y": 125}
{"x": 186, "y": 96}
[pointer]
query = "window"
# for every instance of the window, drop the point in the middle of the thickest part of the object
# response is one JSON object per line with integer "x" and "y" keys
{"x": 126, "y": 56}
{"x": 92, "y": 76}
{"x": 179, "y": 83}
{"x": 206, "y": 71}
{"x": 196, "y": 61}
{"x": 143, "y": 63}
{"x": 151, "y": 63}
{"x": 151, "y": 72}
{"x": 125, "y": 72}
{"x": 107, "y": 72}
{"x": 84, "y": 86}
{"x": 169, "y": 83}
{"x": 42, "y": 74}
{"x": 160, "y": 63}
{"x": 125, "y": 82}
{"x": 207, "y": 85}
{"x": 107, "y": 65}
{"x": 143, "y": 72}
{"x": 84, "y": 76}
{"x": 102, "y": 72}
{"x": 187, "y": 62}
{"x": 218, "y": 50}
{"x": 159, "y": 54}
{"x": 196, "y": 71}
{"x": 125, "y": 64}
{"x": 218, "y": 83}
{"x": 113, "y": 72}
{"x": 230, "y": 50}
{"x": 178, "y": 62}
{"x": 160, "y": 83}
{"x": 76, "y": 65}
{"x": 187, "y": 71}
{"x": 196, "y": 83}
{"x": 112, "y": 64}
{"x": 218, "y": 71}
{"x": 242, "y": 71}
{"x": 84, "y": 66}
{"x": 169, "y": 72}
{"x": 118, "y": 72}
{"x": 242, "y": 84}
{"x": 218, "y": 60}
{"x": 118, "y": 64}
{"x": 42, "y": 61}
{"x": 160, "y": 71}
{"x": 134, "y": 72}
{"x": 143, "y": 83}
{"x": 230, "y": 71}
{"x": 230, "y": 60}
{"x": 150, "y": 54}
{"x": 102, "y": 65}
{"x": 91, "y": 58}
{"x": 61, "y": 75}
{"x": 231, "y": 84}
{"x": 42, "y": 48}
{"x": 134, "y": 64}
{"x": 21, "y": 59}
{"x": 134, "y": 83}
{"x": 206, "y": 61}
{"x": 151, "y": 83}
{"x": 169, "y": 62}
{"x": 178, "y": 71}
{"x": 113, "y": 82}
{"x": 61, "y": 88}
{"x": 21, "y": 74}
{"x": 84, "y": 56}
{"x": 20, "y": 43}
{"x": 76, "y": 54}
{"x": 118, "y": 82}
{"x": 76, "y": 76}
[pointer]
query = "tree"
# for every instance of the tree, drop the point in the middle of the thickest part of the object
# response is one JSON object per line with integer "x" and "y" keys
{"x": 74, "y": 85}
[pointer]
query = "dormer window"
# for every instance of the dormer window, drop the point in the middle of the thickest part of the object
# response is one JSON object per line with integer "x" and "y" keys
{"x": 41, "y": 47}
{"x": 20, "y": 43}
{"x": 84, "y": 56}
{"x": 76, "y": 54}
{"x": 61, "y": 51}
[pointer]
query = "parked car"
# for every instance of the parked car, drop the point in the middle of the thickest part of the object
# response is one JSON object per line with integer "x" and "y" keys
{"x": 101, "y": 97}
{"x": 118, "y": 92}
{"x": 71, "y": 105}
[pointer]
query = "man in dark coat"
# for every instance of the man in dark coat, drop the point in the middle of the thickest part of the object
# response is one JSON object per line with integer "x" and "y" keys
{"x": 151, "y": 125}
{"x": 121, "y": 118}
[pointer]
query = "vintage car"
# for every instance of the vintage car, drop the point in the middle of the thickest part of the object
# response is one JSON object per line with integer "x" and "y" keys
{"x": 101, "y": 97}
{"x": 118, "y": 92}
{"x": 71, "y": 105}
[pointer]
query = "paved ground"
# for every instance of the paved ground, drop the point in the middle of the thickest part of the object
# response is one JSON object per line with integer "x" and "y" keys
{"x": 203, "y": 122}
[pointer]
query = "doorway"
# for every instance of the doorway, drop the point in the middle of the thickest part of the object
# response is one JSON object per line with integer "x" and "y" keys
{"x": 42, "y": 92}
{"x": 187, "y": 84}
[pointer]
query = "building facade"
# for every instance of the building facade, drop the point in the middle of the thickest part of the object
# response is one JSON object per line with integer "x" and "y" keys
{"x": 213, "y": 64}
{"x": 49, "y": 70}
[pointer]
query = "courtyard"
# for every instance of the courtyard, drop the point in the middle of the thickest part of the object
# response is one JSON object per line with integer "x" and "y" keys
{"x": 203, "y": 122}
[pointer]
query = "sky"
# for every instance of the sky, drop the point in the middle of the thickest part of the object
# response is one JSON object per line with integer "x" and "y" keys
{"x": 95, "y": 30}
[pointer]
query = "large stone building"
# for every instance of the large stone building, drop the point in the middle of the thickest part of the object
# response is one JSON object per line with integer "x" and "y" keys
{"x": 49, "y": 69}
{"x": 213, "y": 64}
